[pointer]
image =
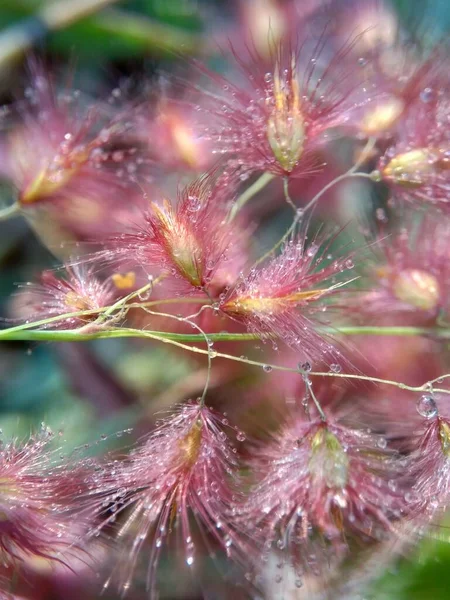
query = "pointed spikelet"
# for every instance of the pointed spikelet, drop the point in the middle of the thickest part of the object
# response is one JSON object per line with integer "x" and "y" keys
{"x": 187, "y": 242}
{"x": 391, "y": 61}
{"x": 276, "y": 120}
{"x": 78, "y": 290}
{"x": 430, "y": 462}
{"x": 186, "y": 469}
{"x": 37, "y": 498}
{"x": 60, "y": 150}
{"x": 417, "y": 166}
{"x": 409, "y": 278}
{"x": 282, "y": 300}
{"x": 323, "y": 488}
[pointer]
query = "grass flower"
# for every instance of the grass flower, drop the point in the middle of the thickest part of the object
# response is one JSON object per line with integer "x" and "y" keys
{"x": 78, "y": 290}
{"x": 282, "y": 298}
{"x": 186, "y": 470}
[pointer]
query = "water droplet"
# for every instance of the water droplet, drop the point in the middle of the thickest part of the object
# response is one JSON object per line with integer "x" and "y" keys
{"x": 189, "y": 560}
{"x": 426, "y": 406}
{"x": 392, "y": 485}
{"x": 306, "y": 366}
{"x": 427, "y": 94}
{"x": 267, "y": 368}
{"x": 335, "y": 368}
{"x": 382, "y": 443}
{"x": 240, "y": 436}
{"x": 349, "y": 264}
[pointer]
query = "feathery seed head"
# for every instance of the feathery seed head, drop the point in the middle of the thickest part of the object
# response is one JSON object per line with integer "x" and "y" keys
{"x": 78, "y": 290}
{"x": 36, "y": 499}
{"x": 281, "y": 298}
{"x": 185, "y": 469}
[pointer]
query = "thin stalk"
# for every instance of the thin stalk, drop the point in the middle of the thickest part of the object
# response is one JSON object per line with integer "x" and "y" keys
{"x": 350, "y": 173}
{"x": 300, "y": 212}
{"x": 88, "y": 313}
{"x": 175, "y": 339}
{"x": 251, "y": 191}
{"x": 286, "y": 194}
{"x": 207, "y": 340}
{"x": 316, "y": 402}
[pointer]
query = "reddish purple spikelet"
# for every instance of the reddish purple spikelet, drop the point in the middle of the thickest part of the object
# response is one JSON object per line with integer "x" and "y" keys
{"x": 322, "y": 485}
{"x": 174, "y": 143}
{"x": 35, "y": 496}
{"x": 410, "y": 277}
{"x": 276, "y": 121}
{"x": 189, "y": 242}
{"x": 430, "y": 463}
{"x": 393, "y": 67}
{"x": 185, "y": 469}
{"x": 79, "y": 290}
{"x": 281, "y": 299}
{"x": 61, "y": 150}
{"x": 417, "y": 166}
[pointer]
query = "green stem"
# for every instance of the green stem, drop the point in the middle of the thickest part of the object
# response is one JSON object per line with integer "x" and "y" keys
{"x": 97, "y": 333}
{"x": 251, "y": 191}
{"x": 121, "y": 332}
{"x": 175, "y": 339}
{"x": 394, "y": 330}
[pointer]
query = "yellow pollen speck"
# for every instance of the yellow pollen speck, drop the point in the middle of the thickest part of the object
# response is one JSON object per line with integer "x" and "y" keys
{"x": 124, "y": 281}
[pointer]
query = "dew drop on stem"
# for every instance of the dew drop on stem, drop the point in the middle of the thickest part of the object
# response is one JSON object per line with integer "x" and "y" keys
{"x": 426, "y": 406}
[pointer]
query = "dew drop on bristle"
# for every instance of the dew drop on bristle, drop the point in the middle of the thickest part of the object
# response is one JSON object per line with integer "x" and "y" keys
{"x": 426, "y": 95}
{"x": 240, "y": 436}
{"x": 267, "y": 368}
{"x": 382, "y": 443}
{"x": 426, "y": 406}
